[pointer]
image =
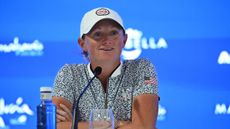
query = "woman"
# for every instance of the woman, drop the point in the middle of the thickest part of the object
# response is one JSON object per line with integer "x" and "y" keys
{"x": 129, "y": 87}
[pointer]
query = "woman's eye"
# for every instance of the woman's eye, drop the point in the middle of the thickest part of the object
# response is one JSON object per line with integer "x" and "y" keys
{"x": 97, "y": 34}
{"x": 114, "y": 32}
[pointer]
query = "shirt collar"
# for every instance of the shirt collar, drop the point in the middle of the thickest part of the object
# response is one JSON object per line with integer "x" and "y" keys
{"x": 115, "y": 73}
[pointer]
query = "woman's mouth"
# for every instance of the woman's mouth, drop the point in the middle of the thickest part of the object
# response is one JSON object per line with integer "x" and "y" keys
{"x": 106, "y": 49}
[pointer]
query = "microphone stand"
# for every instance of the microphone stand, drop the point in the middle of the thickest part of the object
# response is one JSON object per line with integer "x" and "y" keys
{"x": 75, "y": 120}
{"x": 76, "y": 111}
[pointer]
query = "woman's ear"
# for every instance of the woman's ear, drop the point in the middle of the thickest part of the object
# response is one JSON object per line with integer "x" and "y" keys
{"x": 125, "y": 39}
{"x": 81, "y": 43}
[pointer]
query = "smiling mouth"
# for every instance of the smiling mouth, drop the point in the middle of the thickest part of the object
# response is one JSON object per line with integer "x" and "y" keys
{"x": 106, "y": 49}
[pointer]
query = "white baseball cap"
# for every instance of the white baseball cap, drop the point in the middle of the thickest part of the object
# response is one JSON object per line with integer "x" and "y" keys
{"x": 95, "y": 15}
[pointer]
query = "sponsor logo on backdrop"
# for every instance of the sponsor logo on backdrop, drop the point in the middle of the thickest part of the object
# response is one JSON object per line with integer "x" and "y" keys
{"x": 136, "y": 43}
{"x": 224, "y": 57}
{"x": 17, "y": 113}
{"x": 222, "y": 109}
{"x": 34, "y": 48}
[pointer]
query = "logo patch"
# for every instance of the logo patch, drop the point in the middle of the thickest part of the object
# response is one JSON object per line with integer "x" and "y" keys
{"x": 102, "y": 12}
{"x": 150, "y": 81}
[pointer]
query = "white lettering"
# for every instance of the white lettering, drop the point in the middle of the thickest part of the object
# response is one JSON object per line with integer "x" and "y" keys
{"x": 135, "y": 43}
{"x": 2, "y": 123}
{"x": 162, "y": 43}
{"x": 224, "y": 58}
{"x": 161, "y": 113}
{"x": 19, "y": 121}
{"x": 13, "y": 108}
{"x": 144, "y": 43}
{"x": 222, "y": 109}
{"x": 152, "y": 43}
{"x": 22, "y": 49}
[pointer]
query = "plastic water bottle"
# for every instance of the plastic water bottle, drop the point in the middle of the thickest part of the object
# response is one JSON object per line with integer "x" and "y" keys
{"x": 46, "y": 110}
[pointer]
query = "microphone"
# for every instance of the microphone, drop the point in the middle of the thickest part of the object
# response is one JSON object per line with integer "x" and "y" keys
{"x": 96, "y": 72}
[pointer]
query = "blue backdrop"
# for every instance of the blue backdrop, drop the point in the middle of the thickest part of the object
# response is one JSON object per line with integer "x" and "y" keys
{"x": 188, "y": 42}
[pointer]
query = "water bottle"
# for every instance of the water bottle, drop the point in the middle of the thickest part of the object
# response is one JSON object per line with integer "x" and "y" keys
{"x": 46, "y": 110}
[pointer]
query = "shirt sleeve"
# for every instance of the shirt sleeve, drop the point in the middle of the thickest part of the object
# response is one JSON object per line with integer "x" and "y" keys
{"x": 147, "y": 82}
{"x": 63, "y": 84}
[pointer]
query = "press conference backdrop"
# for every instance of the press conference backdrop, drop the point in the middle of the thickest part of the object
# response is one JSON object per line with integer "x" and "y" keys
{"x": 188, "y": 42}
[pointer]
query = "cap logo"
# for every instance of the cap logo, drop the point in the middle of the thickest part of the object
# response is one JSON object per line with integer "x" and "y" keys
{"x": 102, "y": 12}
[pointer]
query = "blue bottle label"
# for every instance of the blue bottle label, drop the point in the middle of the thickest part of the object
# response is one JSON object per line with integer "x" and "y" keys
{"x": 41, "y": 117}
{"x": 46, "y": 116}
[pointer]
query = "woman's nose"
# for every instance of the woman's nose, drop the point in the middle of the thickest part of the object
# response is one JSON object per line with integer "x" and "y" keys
{"x": 107, "y": 39}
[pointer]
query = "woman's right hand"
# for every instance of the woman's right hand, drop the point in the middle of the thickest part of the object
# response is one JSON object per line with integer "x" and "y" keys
{"x": 63, "y": 114}
{"x": 64, "y": 106}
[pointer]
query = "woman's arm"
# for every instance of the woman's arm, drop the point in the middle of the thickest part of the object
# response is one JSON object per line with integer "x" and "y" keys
{"x": 64, "y": 108}
{"x": 64, "y": 115}
{"x": 144, "y": 113}
{"x": 68, "y": 125}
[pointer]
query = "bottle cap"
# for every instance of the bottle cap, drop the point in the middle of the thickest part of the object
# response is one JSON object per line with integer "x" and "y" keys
{"x": 45, "y": 89}
{"x": 46, "y": 93}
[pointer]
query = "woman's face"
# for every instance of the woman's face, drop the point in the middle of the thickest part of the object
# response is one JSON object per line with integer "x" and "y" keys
{"x": 104, "y": 42}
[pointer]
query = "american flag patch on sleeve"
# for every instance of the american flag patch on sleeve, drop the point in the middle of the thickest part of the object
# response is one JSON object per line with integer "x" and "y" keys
{"x": 150, "y": 80}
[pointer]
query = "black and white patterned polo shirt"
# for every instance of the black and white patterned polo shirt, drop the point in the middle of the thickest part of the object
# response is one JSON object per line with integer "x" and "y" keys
{"x": 130, "y": 79}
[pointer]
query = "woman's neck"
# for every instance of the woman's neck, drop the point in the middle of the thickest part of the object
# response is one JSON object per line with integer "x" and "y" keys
{"x": 107, "y": 70}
